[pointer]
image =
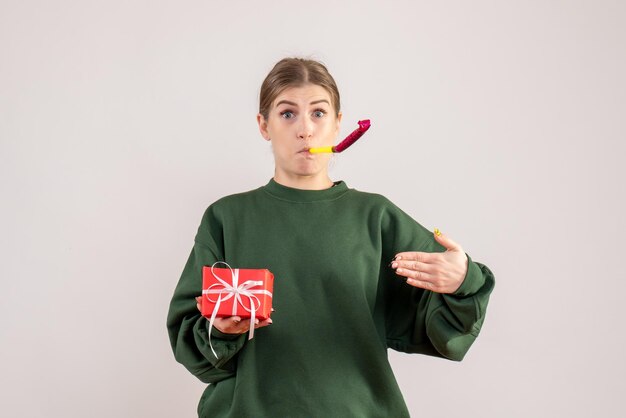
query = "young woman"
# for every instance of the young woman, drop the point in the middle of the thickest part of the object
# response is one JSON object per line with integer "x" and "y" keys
{"x": 354, "y": 275}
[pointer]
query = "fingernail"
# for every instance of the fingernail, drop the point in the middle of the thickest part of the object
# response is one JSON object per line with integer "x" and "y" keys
{"x": 437, "y": 232}
{"x": 256, "y": 321}
{"x": 399, "y": 270}
{"x": 269, "y": 321}
{"x": 394, "y": 265}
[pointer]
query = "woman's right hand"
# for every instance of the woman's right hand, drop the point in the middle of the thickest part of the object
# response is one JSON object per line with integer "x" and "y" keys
{"x": 234, "y": 324}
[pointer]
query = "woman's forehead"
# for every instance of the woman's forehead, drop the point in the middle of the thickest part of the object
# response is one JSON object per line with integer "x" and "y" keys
{"x": 303, "y": 95}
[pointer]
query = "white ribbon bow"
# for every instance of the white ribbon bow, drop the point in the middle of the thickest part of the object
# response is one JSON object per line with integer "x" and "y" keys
{"x": 226, "y": 290}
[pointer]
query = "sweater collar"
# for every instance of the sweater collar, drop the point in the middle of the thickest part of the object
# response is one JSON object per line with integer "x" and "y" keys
{"x": 300, "y": 195}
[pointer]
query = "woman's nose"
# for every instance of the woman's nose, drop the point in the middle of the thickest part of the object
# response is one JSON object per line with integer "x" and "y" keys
{"x": 305, "y": 130}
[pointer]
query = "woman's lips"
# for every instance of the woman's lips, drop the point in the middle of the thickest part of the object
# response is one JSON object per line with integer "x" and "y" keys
{"x": 305, "y": 152}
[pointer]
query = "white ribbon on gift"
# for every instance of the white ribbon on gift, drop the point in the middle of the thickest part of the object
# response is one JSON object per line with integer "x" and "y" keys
{"x": 226, "y": 290}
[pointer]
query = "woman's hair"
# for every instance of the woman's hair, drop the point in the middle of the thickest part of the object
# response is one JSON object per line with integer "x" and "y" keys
{"x": 296, "y": 72}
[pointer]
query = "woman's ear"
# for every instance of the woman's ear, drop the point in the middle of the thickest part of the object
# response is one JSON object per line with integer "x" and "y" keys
{"x": 339, "y": 116}
{"x": 263, "y": 126}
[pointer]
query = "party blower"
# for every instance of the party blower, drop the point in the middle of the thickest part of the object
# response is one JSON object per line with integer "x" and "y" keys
{"x": 364, "y": 125}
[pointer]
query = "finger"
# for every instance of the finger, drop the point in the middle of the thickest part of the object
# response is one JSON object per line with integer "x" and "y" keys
{"x": 421, "y": 284}
{"x": 415, "y": 275}
{"x": 446, "y": 241}
{"x": 263, "y": 323}
{"x": 236, "y": 325}
{"x": 244, "y": 325}
{"x": 415, "y": 265}
{"x": 417, "y": 256}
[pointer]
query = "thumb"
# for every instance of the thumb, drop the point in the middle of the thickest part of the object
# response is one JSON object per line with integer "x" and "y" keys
{"x": 445, "y": 241}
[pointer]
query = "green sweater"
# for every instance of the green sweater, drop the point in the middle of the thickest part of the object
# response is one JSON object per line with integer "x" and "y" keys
{"x": 338, "y": 305}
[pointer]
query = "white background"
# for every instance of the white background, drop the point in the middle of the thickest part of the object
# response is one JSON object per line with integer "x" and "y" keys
{"x": 500, "y": 122}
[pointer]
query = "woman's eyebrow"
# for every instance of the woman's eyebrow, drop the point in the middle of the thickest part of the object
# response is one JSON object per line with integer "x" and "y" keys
{"x": 294, "y": 104}
{"x": 285, "y": 102}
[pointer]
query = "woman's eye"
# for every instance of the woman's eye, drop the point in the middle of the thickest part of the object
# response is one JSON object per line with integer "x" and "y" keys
{"x": 319, "y": 113}
{"x": 288, "y": 114}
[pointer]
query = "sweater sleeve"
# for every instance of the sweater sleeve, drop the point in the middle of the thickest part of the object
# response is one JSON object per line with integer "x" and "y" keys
{"x": 188, "y": 330}
{"x": 422, "y": 321}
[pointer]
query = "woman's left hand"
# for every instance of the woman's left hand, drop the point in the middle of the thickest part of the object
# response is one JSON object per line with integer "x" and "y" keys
{"x": 439, "y": 272}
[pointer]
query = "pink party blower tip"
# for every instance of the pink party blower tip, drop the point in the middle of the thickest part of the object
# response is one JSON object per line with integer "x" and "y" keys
{"x": 364, "y": 125}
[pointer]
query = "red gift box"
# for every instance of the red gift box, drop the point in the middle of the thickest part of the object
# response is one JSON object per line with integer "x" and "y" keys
{"x": 236, "y": 292}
